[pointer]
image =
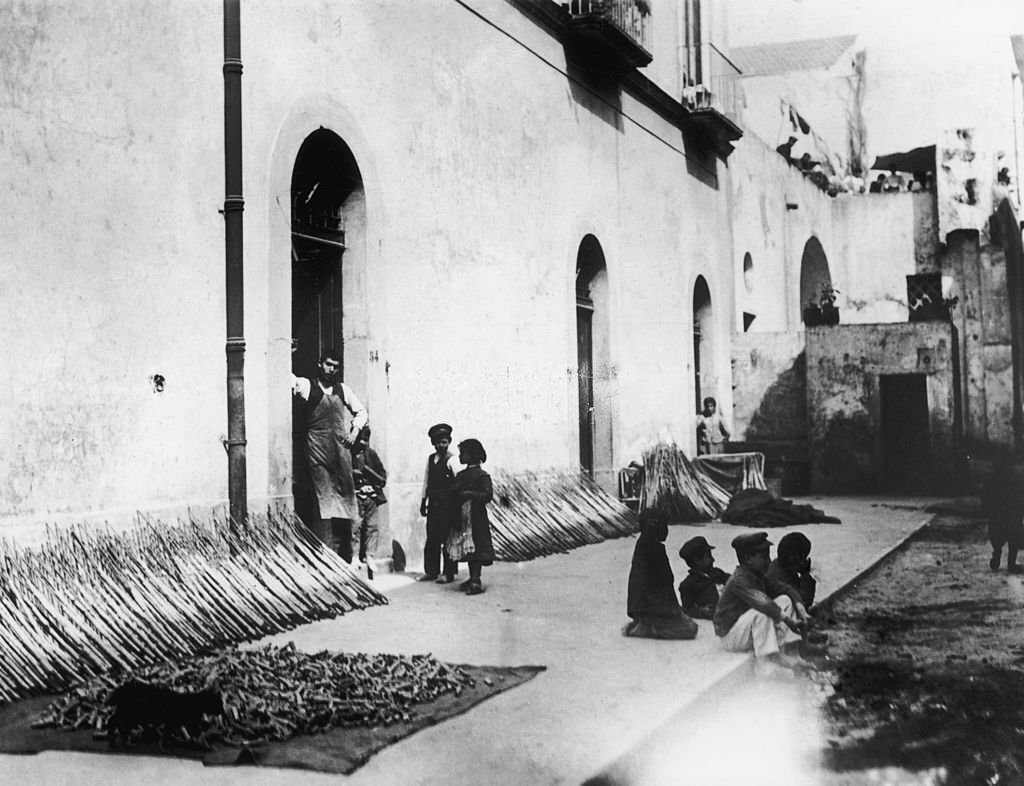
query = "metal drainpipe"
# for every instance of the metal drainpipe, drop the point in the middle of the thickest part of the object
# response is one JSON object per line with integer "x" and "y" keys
{"x": 234, "y": 205}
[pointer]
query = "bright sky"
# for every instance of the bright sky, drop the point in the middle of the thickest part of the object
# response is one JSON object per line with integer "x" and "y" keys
{"x": 907, "y": 23}
{"x": 932, "y": 64}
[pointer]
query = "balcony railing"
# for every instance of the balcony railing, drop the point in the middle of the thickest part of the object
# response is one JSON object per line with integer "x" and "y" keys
{"x": 614, "y": 31}
{"x": 710, "y": 81}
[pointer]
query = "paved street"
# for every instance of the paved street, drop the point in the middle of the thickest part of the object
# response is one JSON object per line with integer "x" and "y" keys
{"x": 601, "y": 693}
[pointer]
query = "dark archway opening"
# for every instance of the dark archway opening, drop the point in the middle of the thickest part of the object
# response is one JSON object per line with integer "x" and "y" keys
{"x": 325, "y": 182}
{"x": 703, "y": 328}
{"x": 591, "y": 352}
{"x": 815, "y": 277}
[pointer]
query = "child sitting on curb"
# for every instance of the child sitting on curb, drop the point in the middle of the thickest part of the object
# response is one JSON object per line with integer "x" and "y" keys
{"x": 756, "y": 613}
{"x": 698, "y": 592}
{"x": 651, "y": 599}
{"x": 792, "y": 566}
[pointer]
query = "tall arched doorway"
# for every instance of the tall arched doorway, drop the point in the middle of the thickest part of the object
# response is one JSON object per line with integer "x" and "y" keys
{"x": 703, "y": 342}
{"x": 592, "y": 354}
{"x": 814, "y": 272}
{"x": 327, "y": 212}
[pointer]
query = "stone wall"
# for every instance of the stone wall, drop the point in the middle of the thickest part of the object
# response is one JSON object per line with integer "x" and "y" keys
{"x": 769, "y": 387}
{"x": 845, "y": 365}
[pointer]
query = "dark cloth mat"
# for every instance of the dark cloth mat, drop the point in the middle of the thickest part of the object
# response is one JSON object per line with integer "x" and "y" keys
{"x": 340, "y": 750}
{"x": 755, "y": 508}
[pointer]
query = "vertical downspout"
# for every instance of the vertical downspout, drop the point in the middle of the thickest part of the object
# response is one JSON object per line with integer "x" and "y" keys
{"x": 233, "y": 207}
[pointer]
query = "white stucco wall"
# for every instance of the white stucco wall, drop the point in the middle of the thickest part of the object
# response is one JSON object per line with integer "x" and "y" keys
{"x": 483, "y": 167}
{"x": 112, "y": 257}
{"x": 774, "y": 212}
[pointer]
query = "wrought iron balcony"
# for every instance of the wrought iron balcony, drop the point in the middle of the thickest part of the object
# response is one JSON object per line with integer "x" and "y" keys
{"x": 712, "y": 96}
{"x": 610, "y": 35}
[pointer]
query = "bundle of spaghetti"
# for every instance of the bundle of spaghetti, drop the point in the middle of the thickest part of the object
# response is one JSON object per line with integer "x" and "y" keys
{"x": 88, "y": 601}
{"x": 536, "y": 514}
{"x": 675, "y": 487}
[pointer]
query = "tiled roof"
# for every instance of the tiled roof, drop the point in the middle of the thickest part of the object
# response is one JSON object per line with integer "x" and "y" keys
{"x": 1017, "y": 42}
{"x": 807, "y": 55}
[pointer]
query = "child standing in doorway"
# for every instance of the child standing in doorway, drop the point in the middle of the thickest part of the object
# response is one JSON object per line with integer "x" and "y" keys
{"x": 711, "y": 431}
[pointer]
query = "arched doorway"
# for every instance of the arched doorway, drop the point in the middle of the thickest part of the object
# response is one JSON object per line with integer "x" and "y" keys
{"x": 327, "y": 213}
{"x": 814, "y": 272}
{"x": 592, "y": 354}
{"x": 703, "y": 342}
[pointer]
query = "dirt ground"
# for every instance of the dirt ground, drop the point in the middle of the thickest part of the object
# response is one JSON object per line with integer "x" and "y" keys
{"x": 925, "y": 682}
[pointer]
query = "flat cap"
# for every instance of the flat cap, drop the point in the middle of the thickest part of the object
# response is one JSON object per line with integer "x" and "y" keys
{"x": 751, "y": 541}
{"x": 439, "y": 430}
{"x": 694, "y": 548}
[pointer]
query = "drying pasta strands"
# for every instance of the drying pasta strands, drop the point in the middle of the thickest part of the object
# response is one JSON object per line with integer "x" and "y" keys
{"x": 273, "y": 693}
{"x": 536, "y": 514}
{"x": 89, "y": 602}
{"x": 675, "y": 487}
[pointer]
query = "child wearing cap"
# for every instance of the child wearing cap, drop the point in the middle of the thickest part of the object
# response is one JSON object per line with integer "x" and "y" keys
{"x": 756, "y": 612}
{"x": 792, "y": 566}
{"x": 698, "y": 592}
{"x": 435, "y": 505}
{"x": 651, "y": 600}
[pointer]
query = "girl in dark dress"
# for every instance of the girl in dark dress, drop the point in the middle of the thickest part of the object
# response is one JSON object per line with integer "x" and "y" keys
{"x": 651, "y": 602}
{"x": 471, "y": 492}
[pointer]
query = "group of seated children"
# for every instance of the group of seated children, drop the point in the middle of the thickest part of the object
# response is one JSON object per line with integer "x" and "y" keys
{"x": 762, "y": 606}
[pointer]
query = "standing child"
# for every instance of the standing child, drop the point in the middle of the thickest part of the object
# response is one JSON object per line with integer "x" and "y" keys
{"x": 470, "y": 494}
{"x": 370, "y": 478}
{"x": 698, "y": 592}
{"x": 436, "y": 504}
{"x": 1001, "y": 502}
{"x": 711, "y": 431}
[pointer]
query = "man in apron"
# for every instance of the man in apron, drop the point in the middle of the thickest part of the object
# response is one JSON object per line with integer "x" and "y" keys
{"x": 329, "y": 436}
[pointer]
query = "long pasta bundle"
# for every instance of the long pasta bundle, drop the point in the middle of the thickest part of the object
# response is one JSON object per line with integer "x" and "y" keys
{"x": 674, "y": 486}
{"x": 89, "y": 601}
{"x": 536, "y": 514}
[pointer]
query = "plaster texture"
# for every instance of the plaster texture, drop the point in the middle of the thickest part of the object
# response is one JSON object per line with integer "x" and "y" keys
{"x": 485, "y": 160}
{"x": 844, "y": 369}
{"x": 602, "y": 694}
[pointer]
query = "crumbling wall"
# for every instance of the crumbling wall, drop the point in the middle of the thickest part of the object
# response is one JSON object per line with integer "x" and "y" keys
{"x": 844, "y": 366}
{"x": 769, "y": 387}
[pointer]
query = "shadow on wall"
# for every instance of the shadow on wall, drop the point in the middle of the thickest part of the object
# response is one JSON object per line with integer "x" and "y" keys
{"x": 599, "y": 94}
{"x": 847, "y": 455}
{"x": 782, "y": 412}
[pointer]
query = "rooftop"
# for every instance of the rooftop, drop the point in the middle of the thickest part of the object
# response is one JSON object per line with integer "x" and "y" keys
{"x": 807, "y": 55}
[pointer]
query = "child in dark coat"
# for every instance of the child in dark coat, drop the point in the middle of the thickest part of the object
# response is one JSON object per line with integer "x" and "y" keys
{"x": 792, "y": 566}
{"x": 1003, "y": 504}
{"x": 471, "y": 492}
{"x": 651, "y": 599}
{"x": 698, "y": 592}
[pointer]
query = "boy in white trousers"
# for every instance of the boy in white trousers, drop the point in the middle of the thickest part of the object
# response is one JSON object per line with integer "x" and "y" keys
{"x": 756, "y": 612}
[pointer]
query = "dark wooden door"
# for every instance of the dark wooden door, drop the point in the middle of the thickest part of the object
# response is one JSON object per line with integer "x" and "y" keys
{"x": 585, "y": 360}
{"x": 906, "y": 442}
{"x": 316, "y": 326}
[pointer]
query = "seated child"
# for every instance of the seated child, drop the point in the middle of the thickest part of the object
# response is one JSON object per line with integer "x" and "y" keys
{"x": 651, "y": 602}
{"x": 792, "y": 566}
{"x": 698, "y": 592}
{"x": 755, "y": 612}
